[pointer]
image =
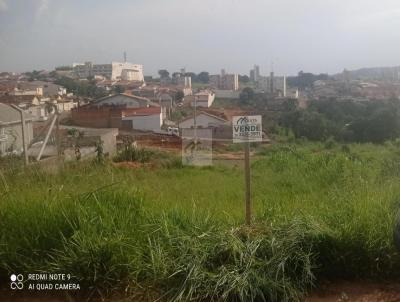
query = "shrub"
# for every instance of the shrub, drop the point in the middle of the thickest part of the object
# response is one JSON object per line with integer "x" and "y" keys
{"x": 131, "y": 153}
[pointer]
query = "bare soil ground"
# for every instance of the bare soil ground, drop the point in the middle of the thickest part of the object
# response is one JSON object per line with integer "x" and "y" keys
{"x": 356, "y": 292}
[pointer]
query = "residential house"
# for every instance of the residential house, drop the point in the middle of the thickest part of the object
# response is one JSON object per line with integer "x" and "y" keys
{"x": 203, "y": 98}
{"x": 40, "y": 88}
{"x": 144, "y": 119}
{"x": 20, "y": 99}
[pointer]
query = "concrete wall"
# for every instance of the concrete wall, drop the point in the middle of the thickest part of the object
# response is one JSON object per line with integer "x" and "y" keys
{"x": 146, "y": 123}
{"x": 97, "y": 117}
{"x": 89, "y": 141}
{"x": 227, "y": 94}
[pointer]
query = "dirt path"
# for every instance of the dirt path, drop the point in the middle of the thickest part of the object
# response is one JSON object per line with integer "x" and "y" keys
{"x": 356, "y": 292}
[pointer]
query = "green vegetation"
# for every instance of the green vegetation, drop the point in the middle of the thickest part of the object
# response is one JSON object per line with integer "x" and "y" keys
{"x": 349, "y": 121}
{"x": 64, "y": 68}
{"x": 321, "y": 211}
{"x": 86, "y": 88}
{"x": 306, "y": 79}
{"x": 247, "y": 95}
{"x": 226, "y": 103}
{"x": 130, "y": 153}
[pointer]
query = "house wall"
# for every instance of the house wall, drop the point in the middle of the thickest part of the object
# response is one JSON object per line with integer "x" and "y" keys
{"x": 96, "y": 118}
{"x": 146, "y": 123}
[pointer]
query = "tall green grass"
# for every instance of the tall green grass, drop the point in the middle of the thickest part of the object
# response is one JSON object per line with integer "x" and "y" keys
{"x": 176, "y": 233}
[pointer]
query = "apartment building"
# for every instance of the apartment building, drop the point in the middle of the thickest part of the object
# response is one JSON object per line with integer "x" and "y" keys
{"x": 225, "y": 81}
{"x": 114, "y": 71}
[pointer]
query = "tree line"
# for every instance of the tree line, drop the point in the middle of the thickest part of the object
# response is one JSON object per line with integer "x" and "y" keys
{"x": 347, "y": 121}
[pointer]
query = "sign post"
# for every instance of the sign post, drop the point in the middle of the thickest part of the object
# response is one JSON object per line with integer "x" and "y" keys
{"x": 247, "y": 129}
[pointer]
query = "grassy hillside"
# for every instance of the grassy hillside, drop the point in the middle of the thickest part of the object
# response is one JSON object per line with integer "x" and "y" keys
{"x": 321, "y": 211}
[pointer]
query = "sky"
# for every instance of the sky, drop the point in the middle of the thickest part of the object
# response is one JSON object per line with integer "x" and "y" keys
{"x": 319, "y": 36}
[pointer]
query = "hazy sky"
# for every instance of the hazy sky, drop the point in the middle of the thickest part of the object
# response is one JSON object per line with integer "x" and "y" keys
{"x": 309, "y": 35}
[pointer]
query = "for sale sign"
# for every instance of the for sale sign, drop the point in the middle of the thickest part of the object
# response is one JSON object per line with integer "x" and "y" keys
{"x": 247, "y": 128}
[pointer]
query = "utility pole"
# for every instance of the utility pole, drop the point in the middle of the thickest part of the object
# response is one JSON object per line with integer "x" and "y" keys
{"x": 24, "y": 134}
{"x": 195, "y": 122}
{"x": 58, "y": 138}
{"x": 46, "y": 138}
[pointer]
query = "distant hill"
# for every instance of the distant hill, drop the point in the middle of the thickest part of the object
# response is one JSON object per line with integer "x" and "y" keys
{"x": 374, "y": 73}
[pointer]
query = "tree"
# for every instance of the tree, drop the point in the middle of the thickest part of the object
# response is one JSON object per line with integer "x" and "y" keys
{"x": 192, "y": 75}
{"x": 63, "y": 68}
{"x": 290, "y": 104}
{"x": 176, "y": 75}
{"x": 81, "y": 88}
{"x": 119, "y": 89}
{"x": 244, "y": 78}
{"x": 203, "y": 77}
{"x": 163, "y": 73}
{"x": 247, "y": 95}
{"x": 179, "y": 95}
{"x": 306, "y": 79}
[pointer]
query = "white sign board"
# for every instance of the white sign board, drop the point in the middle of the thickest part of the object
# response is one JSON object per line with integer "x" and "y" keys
{"x": 247, "y": 128}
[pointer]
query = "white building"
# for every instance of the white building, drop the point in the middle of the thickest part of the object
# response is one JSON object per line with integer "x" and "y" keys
{"x": 114, "y": 71}
{"x": 201, "y": 99}
{"x": 144, "y": 119}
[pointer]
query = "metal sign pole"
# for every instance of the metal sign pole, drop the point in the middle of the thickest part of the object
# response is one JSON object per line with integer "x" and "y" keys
{"x": 247, "y": 182}
{"x": 247, "y": 129}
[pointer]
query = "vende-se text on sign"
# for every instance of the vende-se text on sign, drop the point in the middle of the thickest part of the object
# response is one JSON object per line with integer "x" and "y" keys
{"x": 247, "y": 128}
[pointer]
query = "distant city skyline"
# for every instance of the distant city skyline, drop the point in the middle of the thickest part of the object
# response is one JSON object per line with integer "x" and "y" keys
{"x": 310, "y": 35}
